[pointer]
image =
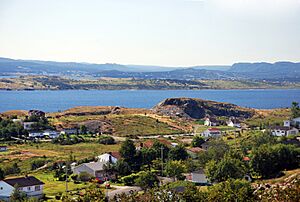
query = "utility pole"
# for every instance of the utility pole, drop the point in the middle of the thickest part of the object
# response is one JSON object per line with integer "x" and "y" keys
{"x": 162, "y": 160}
{"x": 66, "y": 167}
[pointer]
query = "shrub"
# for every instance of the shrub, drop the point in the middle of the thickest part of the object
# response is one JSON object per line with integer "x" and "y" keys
{"x": 106, "y": 140}
{"x": 84, "y": 177}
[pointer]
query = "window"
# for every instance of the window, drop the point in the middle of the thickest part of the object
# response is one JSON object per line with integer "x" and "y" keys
{"x": 28, "y": 188}
{"x": 1, "y": 188}
{"x": 37, "y": 188}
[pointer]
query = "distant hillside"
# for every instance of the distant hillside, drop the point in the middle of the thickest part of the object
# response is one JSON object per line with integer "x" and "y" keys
{"x": 197, "y": 108}
{"x": 280, "y": 71}
{"x": 38, "y": 67}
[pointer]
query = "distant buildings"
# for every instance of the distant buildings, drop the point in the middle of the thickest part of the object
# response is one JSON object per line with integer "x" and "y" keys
{"x": 28, "y": 125}
{"x": 3, "y": 148}
{"x": 197, "y": 177}
{"x": 29, "y": 185}
{"x": 211, "y": 132}
{"x": 234, "y": 122}
{"x": 287, "y": 129}
{"x": 210, "y": 121}
{"x": 283, "y": 131}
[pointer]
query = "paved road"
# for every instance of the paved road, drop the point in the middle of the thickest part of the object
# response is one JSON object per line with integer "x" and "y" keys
{"x": 122, "y": 189}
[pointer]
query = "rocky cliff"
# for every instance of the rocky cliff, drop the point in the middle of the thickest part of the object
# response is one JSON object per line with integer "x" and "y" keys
{"x": 198, "y": 108}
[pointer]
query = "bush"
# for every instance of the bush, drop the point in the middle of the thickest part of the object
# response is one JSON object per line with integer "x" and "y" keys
{"x": 84, "y": 177}
{"x": 106, "y": 140}
{"x": 147, "y": 180}
{"x": 129, "y": 180}
{"x": 38, "y": 163}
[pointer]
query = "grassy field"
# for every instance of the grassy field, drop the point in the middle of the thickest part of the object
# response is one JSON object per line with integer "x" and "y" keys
{"x": 134, "y": 125}
{"x": 265, "y": 118}
{"x": 127, "y": 125}
{"x": 52, "y": 186}
{"x": 24, "y": 154}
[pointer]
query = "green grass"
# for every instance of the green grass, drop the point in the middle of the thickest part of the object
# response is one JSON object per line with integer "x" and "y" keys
{"x": 52, "y": 186}
{"x": 134, "y": 125}
{"x": 52, "y": 152}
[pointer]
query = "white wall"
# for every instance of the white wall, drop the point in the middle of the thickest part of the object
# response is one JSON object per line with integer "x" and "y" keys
{"x": 5, "y": 189}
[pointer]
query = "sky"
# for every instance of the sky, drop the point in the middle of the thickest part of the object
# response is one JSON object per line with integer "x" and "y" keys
{"x": 151, "y": 32}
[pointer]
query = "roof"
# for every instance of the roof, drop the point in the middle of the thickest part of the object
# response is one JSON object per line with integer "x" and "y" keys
{"x": 116, "y": 154}
{"x": 96, "y": 166}
{"x": 213, "y": 129}
{"x": 195, "y": 149}
{"x": 285, "y": 128}
{"x": 3, "y": 146}
{"x": 150, "y": 142}
{"x": 246, "y": 158}
{"x": 24, "y": 181}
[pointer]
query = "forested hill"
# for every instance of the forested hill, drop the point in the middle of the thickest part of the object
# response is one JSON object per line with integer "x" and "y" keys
{"x": 279, "y": 71}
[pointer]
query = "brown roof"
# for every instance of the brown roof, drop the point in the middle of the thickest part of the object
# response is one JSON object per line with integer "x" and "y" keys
{"x": 149, "y": 143}
{"x": 195, "y": 149}
{"x": 116, "y": 154}
{"x": 213, "y": 129}
{"x": 246, "y": 158}
{"x": 24, "y": 181}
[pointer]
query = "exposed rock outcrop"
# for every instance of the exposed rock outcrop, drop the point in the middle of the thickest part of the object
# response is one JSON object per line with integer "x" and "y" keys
{"x": 193, "y": 108}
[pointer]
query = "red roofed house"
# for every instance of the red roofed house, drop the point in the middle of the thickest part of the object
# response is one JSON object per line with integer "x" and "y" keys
{"x": 211, "y": 132}
{"x": 150, "y": 142}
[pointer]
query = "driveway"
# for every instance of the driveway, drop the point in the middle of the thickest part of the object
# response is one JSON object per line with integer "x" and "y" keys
{"x": 122, "y": 189}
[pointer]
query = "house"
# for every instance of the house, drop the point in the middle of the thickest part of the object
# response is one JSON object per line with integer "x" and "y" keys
{"x": 3, "y": 148}
{"x": 17, "y": 120}
{"x": 210, "y": 121}
{"x": 296, "y": 122}
{"x": 233, "y": 122}
{"x": 107, "y": 158}
{"x": 197, "y": 177}
{"x": 150, "y": 142}
{"x": 211, "y": 132}
{"x": 69, "y": 131}
{"x": 95, "y": 169}
{"x": 283, "y": 131}
{"x": 37, "y": 113}
{"x": 30, "y": 185}
{"x": 28, "y": 125}
{"x": 287, "y": 123}
{"x": 194, "y": 151}
{"x": 51, "y": 133}
{"x": 36, "y": 134}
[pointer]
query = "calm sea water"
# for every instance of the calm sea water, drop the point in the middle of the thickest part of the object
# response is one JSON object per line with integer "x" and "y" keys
{"x": 51, "y": 101}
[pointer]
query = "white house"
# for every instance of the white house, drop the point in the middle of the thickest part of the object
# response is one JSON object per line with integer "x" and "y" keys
{"x": 211, "y": 121}
{"x": 28, "y": 125}
{"x": 211, "y": 132}
{"x": 296, "y": 122}
{"x": 69, "y": 131}
{"x": 30, "y": 185}
{"x": 107, "y": 158}
{"x": 283, "y": 131}
{"x": 95, "y": 169}
{"x": 51, "y": 133}
{"x": 36, "y": 134}
{"x": 3, "y": 148}
{"x": 287, "y": 123}
{"x": 233, "y": 122}
{"x": 198, "y": 177}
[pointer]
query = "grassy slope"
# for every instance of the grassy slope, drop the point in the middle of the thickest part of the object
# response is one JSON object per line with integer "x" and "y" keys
{"x": 54, "y": 83}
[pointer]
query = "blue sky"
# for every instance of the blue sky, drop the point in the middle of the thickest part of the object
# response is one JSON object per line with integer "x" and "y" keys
{"x": 151, "y": 32}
